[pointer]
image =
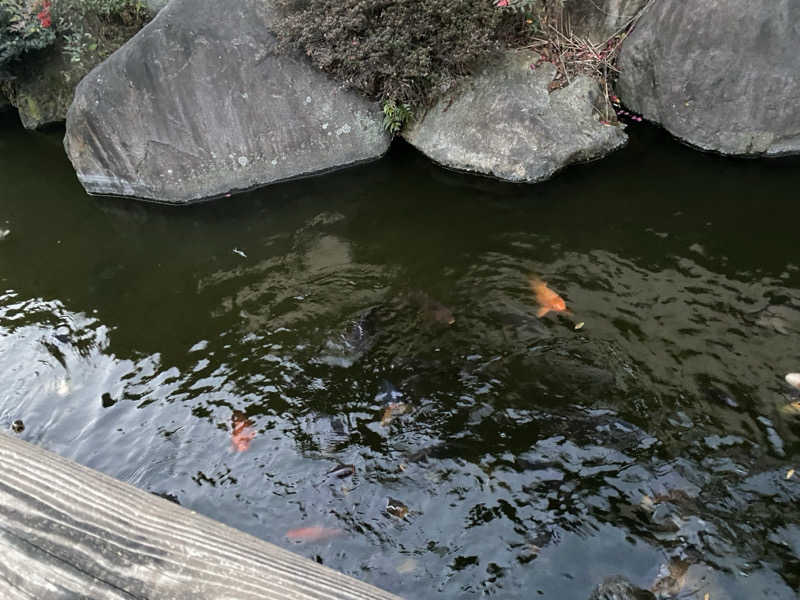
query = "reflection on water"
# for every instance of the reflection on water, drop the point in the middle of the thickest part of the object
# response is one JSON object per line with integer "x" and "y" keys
{"x": 367, "y": 382}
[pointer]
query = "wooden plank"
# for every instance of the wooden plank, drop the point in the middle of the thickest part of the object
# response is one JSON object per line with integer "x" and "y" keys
{"x": 67, "y": 531}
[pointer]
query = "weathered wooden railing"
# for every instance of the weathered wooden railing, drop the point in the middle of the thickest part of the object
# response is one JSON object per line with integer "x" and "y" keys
{"x": 67, "y": 531}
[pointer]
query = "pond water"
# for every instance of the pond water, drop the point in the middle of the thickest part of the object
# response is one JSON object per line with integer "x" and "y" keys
{"x": 230, "y": 355}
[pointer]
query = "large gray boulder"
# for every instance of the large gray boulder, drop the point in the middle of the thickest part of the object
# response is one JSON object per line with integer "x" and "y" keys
{"x": 505, "y": 122}
{"x": 198, "y": 105}
{"x": 721, "y": 75}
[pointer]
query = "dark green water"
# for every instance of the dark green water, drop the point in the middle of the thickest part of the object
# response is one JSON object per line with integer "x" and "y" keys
{"x": 535, "y": 459}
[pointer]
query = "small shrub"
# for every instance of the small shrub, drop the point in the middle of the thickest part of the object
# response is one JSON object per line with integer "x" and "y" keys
{"x": 407, "y": 51}
{"x": 25, "y": 25}
{"x": 533, "y": 12}
{"x": 83, "y": 27}
{"x": 96, "y": 26}
{"x": 524, "y": 6}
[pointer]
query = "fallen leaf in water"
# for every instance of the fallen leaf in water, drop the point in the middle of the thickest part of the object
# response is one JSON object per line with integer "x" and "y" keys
{"x": 396, "y": 508}
{"x": 789, "y": 473}
{"x": 579, "y": 325}
{"x": 312, "y": 534}
{"x": 707, "y": 596}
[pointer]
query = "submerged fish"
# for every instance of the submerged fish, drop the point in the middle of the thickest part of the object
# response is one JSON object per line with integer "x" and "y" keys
{"x": 242, "y": 433}
{"x": 394, "y": 408}
{"x": 438, "y": 313}
{"x": 793, "y": 379}
{"x": 312, "y": 534}
{"x": 390, "y": 397}
{"x": 341, "y": 471}
{"x": 547, "y": 299}
{"x": 430, "y": 310}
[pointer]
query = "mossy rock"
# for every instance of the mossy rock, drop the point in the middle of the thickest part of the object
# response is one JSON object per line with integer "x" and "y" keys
{"x": 44, "y": 81}
{"x": 44, "y": 85}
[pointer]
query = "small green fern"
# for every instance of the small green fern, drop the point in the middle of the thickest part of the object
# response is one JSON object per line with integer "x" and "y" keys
{"x": 395, "y": 116}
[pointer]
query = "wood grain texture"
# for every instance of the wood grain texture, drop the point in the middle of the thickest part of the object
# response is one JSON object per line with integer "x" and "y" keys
{"x": 67, "y": 531}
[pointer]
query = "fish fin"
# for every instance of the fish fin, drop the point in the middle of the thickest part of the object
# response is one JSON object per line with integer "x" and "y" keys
{"x": 542, "y": 312}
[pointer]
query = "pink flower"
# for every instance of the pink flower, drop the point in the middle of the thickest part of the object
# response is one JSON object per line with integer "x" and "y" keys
{"x": 502, "y": 2}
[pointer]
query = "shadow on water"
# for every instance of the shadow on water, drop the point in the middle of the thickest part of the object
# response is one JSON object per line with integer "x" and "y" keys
{"x": 382, "y": 317}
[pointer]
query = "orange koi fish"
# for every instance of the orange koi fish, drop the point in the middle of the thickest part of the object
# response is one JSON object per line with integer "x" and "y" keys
{"x": 312, "y": 534}
{"x": 548, "y": 300}
{"x": 242, "y": 433}
{"x": 394, "y": 408}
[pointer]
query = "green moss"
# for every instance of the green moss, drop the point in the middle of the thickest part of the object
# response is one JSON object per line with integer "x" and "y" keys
{"x": 31, "y": 108}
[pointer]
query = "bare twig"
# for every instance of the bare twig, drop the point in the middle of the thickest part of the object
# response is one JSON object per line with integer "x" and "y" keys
{"x": 573, "y": 55}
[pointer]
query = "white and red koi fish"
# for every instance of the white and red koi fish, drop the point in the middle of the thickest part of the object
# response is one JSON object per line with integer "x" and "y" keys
{"x": 793, "y": 379}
